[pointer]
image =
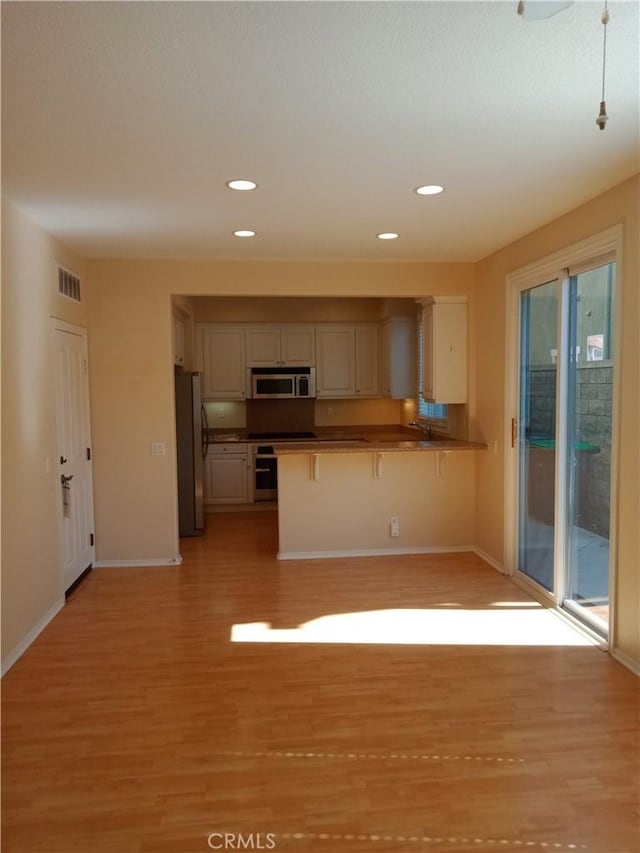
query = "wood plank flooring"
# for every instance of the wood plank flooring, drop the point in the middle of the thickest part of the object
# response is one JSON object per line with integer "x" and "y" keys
{"x": 134, "y": 725}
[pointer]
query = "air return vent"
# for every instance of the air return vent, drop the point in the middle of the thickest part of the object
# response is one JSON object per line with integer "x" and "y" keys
{"x": 69, "y": 284}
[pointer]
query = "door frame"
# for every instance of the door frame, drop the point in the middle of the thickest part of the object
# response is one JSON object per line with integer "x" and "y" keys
{"x": 556, "y": 266}
{"x": 82, "y": 332}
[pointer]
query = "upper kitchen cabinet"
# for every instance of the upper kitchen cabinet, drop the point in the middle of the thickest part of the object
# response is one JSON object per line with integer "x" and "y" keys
{"x": 336, "y": 361}
{"x": 367, "y": 361}
{"x": 444, "y": 327}
{"x": 221, "y": 359}
{"x": 347, "y": 361}
{"x": 178, "y": 338}
{"x": 398, "y": 348}
{"x": 271, "y": 346}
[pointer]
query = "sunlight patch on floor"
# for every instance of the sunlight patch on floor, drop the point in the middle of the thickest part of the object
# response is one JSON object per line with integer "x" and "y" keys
{"x": 535, "y": 626}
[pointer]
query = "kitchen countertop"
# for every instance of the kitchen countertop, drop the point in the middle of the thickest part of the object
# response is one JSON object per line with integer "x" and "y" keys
{"x": 354, "y": 439}
{"x": 373, "y": 445}
{"x": 387, "y": 432}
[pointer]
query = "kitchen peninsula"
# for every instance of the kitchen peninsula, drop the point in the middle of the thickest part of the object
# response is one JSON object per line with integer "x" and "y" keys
{"x": 373, "y": 497}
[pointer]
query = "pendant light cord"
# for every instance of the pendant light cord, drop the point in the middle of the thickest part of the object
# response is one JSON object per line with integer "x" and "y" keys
{"x": 605, "y": 21}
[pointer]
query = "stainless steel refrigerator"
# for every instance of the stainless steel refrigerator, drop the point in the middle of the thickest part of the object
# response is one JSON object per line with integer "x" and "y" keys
{"x": 192, "y": 439}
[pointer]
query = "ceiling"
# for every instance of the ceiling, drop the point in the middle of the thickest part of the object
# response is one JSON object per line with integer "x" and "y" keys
{"x": 121, "y": 122}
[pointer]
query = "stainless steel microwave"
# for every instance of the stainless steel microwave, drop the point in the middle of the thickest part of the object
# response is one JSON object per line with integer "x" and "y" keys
{"x": 282, "y": 383}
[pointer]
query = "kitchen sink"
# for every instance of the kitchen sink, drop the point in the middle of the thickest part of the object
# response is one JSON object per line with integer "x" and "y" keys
{"x": 324, "y": 441}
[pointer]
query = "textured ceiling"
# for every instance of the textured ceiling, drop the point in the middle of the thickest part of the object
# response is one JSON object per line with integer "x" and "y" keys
{"x": 122, "y": 121}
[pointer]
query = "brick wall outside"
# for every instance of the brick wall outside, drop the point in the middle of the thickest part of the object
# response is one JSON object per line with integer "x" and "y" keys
{"x": 593, "y": 414}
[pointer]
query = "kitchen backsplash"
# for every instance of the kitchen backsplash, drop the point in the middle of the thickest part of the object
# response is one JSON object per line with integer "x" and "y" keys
{"x": 226, "y": 415}
{"x": 280, "y": 415}
{"x": 356, "y": 412}
{"x": 302, "y": 415}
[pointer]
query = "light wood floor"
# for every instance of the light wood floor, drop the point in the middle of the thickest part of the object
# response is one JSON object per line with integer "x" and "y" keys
{"x": 134, "y": 725}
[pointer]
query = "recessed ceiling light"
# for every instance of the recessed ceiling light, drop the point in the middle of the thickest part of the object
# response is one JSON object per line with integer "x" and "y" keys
{"x": 429, "y": 189}
{"x": 387, "y": 235}
{"x": 244, "y": 232}
{"x": 241, "y": 184}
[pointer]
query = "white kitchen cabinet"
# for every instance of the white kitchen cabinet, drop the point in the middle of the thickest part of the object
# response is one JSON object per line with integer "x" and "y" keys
{"x": 335, "y": 361}
{"x": 444, "y": 378}
{"x": 270, "y": 346}
{"x": 221, "y": 359}
{"x": 347, "y": 361}
{"x": 298, "y": 346}
{"x": 263, "y": 346}
{"x": 226, "y": 474}
{"x": 178, "y": 339}
{"x": 367, "y": 361}
{"x": 398, "y": 353}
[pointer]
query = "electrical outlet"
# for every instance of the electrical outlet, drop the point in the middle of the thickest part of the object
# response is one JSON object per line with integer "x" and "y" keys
{"x": 394, "y": 526}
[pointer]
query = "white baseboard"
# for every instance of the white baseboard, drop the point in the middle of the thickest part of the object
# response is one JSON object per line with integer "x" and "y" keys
{"x": 123, "y": 564}
{"x": 390, "y": 552}
{"x": 370, "y": 552}
{"x": 625, "y": 660}
{"x": 489, "y": 559}
{"x": 37, "y": 629}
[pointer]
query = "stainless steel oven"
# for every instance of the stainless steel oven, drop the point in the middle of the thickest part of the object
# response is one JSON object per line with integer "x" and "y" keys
{"x": 265, "y": 467}
{"x": 265, "y": 463}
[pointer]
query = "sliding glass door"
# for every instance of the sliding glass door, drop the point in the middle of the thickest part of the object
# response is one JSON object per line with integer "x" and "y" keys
{"x": 563, "y": 438}
{"x": 537, "y": 427}
{"x": 589, "y": 413}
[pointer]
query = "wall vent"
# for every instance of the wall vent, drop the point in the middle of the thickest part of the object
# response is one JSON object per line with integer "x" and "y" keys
{"x": 69, "y": 285}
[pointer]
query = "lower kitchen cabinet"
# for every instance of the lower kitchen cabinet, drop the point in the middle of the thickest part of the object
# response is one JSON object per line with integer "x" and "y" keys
{"x": 227, "y": 475}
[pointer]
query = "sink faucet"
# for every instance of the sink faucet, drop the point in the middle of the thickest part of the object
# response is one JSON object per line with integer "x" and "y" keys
{"x": 426, "y": 429}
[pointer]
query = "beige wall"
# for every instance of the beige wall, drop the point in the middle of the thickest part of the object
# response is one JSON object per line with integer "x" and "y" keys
{"x": 619, "y": 205}
{"x": 299, "y": 309}
{"x": 132, "y": 406}
{"x": 132, "y": 368}
{"x": 31, "y": 582}
{"x": 435, "y": 510}
{"x": 286, "y": 310}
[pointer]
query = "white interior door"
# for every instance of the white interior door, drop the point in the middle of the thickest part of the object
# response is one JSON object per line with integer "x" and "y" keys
{"x": 75, "y": 504}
